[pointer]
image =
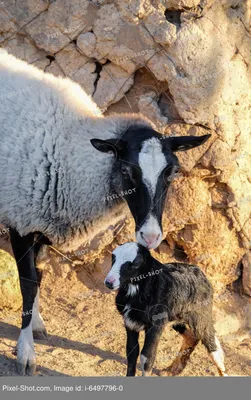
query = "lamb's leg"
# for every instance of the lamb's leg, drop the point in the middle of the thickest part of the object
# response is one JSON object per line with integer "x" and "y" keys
{"x": 132, "y": 351}
{"x": 38, "y": 326}
{"x": 213, "y": 346}
{"x": 23, "y": 250}
{"x": 188, "y": 345}
{"x": 148, "y": 353}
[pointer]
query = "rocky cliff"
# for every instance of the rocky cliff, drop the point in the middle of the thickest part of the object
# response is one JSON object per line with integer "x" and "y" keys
{"x": 187, "y": 66}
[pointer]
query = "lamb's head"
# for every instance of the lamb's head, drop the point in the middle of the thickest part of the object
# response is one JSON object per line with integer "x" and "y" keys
{"x": 143, "y": 169}
{"x": 127, "y": 262}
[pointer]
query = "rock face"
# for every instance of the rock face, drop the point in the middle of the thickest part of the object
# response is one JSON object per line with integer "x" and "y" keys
{"x": 9, "y": 284}
{"x": 187, "y": 66}
{"x": 246, "y": 276}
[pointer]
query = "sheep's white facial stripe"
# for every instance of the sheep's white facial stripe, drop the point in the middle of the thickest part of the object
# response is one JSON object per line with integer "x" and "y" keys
{"x": 152, "y": 161}
{"x": 152, "y": 226}
{"x": 126, "y": 252}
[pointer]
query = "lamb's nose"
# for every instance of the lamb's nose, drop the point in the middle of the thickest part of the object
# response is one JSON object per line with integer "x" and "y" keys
{"x": 150, "y": 238}
{"x": 109, "y": 283}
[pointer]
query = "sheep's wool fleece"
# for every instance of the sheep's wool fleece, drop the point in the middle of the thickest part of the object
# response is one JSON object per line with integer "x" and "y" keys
{"x": 52, "y": 179}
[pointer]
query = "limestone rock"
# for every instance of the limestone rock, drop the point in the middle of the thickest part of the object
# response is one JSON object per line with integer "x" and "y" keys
{"x": 23, "y": 11}
{"x": 77, "y": 66}
{"x": 7, "y": 26}
{"x": 22, "y": 47}
{"x": 112, "y": 84}
{"x": 63, "y": 21}
{"x": 55, "y": 69}
{"x": 87, "y": 43}
{"x": 10, "y": 294}
{"x": 149, "y": 107}
{"x": 162, "y": 31}
{"x": 180, "y": 4}
{"x": 70, "y": 60}
{"x": 246, "y": 274}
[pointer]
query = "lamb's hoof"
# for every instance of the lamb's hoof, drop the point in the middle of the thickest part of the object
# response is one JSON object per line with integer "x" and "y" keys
{"x": 172, "y": 370}
{"x": 40, "y": 335}
{"x": 165, "y": 372}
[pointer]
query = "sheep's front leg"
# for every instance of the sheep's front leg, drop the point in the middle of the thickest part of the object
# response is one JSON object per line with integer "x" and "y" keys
{"x": 132, "y": 351}
{"x": 38, "y": 326}
{"x": 23, "y": 249}
{"x": 148, "y": 353}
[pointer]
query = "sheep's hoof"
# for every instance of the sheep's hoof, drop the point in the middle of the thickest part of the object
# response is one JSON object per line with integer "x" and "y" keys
{"x": 28, "y": 369}
{"x": 26, "y": 356}
{"x": 40, "y": 335}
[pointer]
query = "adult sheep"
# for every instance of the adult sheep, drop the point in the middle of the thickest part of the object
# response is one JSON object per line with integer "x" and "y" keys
{"x": 53, "y": 180}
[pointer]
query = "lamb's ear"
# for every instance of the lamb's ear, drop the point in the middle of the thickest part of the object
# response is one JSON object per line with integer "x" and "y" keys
{"x": 182, "y": 143}
{"x": 139, "y": 260}
{"x": 109, "y": 146}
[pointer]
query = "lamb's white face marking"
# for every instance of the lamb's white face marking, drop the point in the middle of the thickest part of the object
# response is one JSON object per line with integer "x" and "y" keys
{"x": 125, "y": 253}
{"x": 150, "y": 234}
{"x": 152, "y": 161}
{"x": 132, "y": 289}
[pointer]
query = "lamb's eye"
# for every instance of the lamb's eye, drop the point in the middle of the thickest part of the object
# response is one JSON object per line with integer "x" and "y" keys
{"x": 124, "y": 170}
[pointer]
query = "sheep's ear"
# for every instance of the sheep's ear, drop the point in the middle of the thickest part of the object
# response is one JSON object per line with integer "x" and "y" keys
{"x": 183, "y": 143}
{"x": 109, "y": 146}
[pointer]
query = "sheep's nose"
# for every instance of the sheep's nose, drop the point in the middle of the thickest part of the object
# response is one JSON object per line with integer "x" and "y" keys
{"x": 109, "y": 283}
{"x": 150, "y": 238}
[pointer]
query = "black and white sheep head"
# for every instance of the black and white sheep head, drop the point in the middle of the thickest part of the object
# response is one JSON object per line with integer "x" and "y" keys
{"x": 144, "y": 166}
{"x": 127, "y": 261}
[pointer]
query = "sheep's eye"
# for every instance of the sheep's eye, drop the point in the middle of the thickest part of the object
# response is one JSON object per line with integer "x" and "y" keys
{"x": 167, "y": 171}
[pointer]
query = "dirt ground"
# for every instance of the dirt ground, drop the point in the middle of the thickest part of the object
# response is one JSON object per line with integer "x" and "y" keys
{"x": 86, "y": 336}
